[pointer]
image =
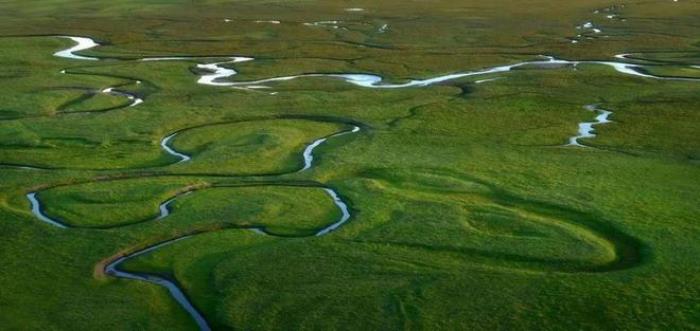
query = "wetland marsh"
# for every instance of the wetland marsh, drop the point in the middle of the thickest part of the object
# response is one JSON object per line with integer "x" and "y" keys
{"x": 297, "y": 165}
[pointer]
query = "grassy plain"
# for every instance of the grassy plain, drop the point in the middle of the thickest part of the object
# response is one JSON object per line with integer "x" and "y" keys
{"x": 467, "y": 210}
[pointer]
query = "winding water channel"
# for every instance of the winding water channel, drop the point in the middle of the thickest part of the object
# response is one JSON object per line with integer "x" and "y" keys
{"x": 308, "y": 153}
{"x": 217, "y": 75}
{"x": 113, "y": 267}
{"x": 377, "y": 82}
{"x": 82, "y": 44}
{"x": 135, "y": 100}
{"x": 165, "y": 144}
{"x": 586, "y": 129}
{"x": 364, "y": 79}
{"x": 174, "y": 290}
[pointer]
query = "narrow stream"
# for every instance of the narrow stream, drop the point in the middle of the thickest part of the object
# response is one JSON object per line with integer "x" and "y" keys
{"x": 345, "y": 216}
{"x": 39, "y": 213}
{"x": 309, "y": 150}
{"x": 165, "y": 144}
{"x": 135, "y": 100}
{"x": 219, "y": 72}
{"x": 586, "y": 129}
{"x": 307, "y": 154}
{"x": 112, "y": 269}
{"x": 82, "y": 43}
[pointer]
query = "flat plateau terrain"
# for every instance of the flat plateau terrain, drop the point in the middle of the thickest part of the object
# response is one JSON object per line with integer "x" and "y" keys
{"x": 349, "y": 165}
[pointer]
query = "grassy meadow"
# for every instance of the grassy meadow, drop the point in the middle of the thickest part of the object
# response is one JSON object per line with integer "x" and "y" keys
{"x": 468, "y": 210}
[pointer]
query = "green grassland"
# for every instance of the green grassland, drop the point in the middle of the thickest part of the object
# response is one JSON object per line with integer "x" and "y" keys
{"x": 468, "y": 212}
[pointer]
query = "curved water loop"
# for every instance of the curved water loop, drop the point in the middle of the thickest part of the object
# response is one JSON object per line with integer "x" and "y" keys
{"x": 163, "y": 211}
{"x": 176, "y": 292}
{"x": 307, "y": 154}
{"x": 112, "y": 268}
